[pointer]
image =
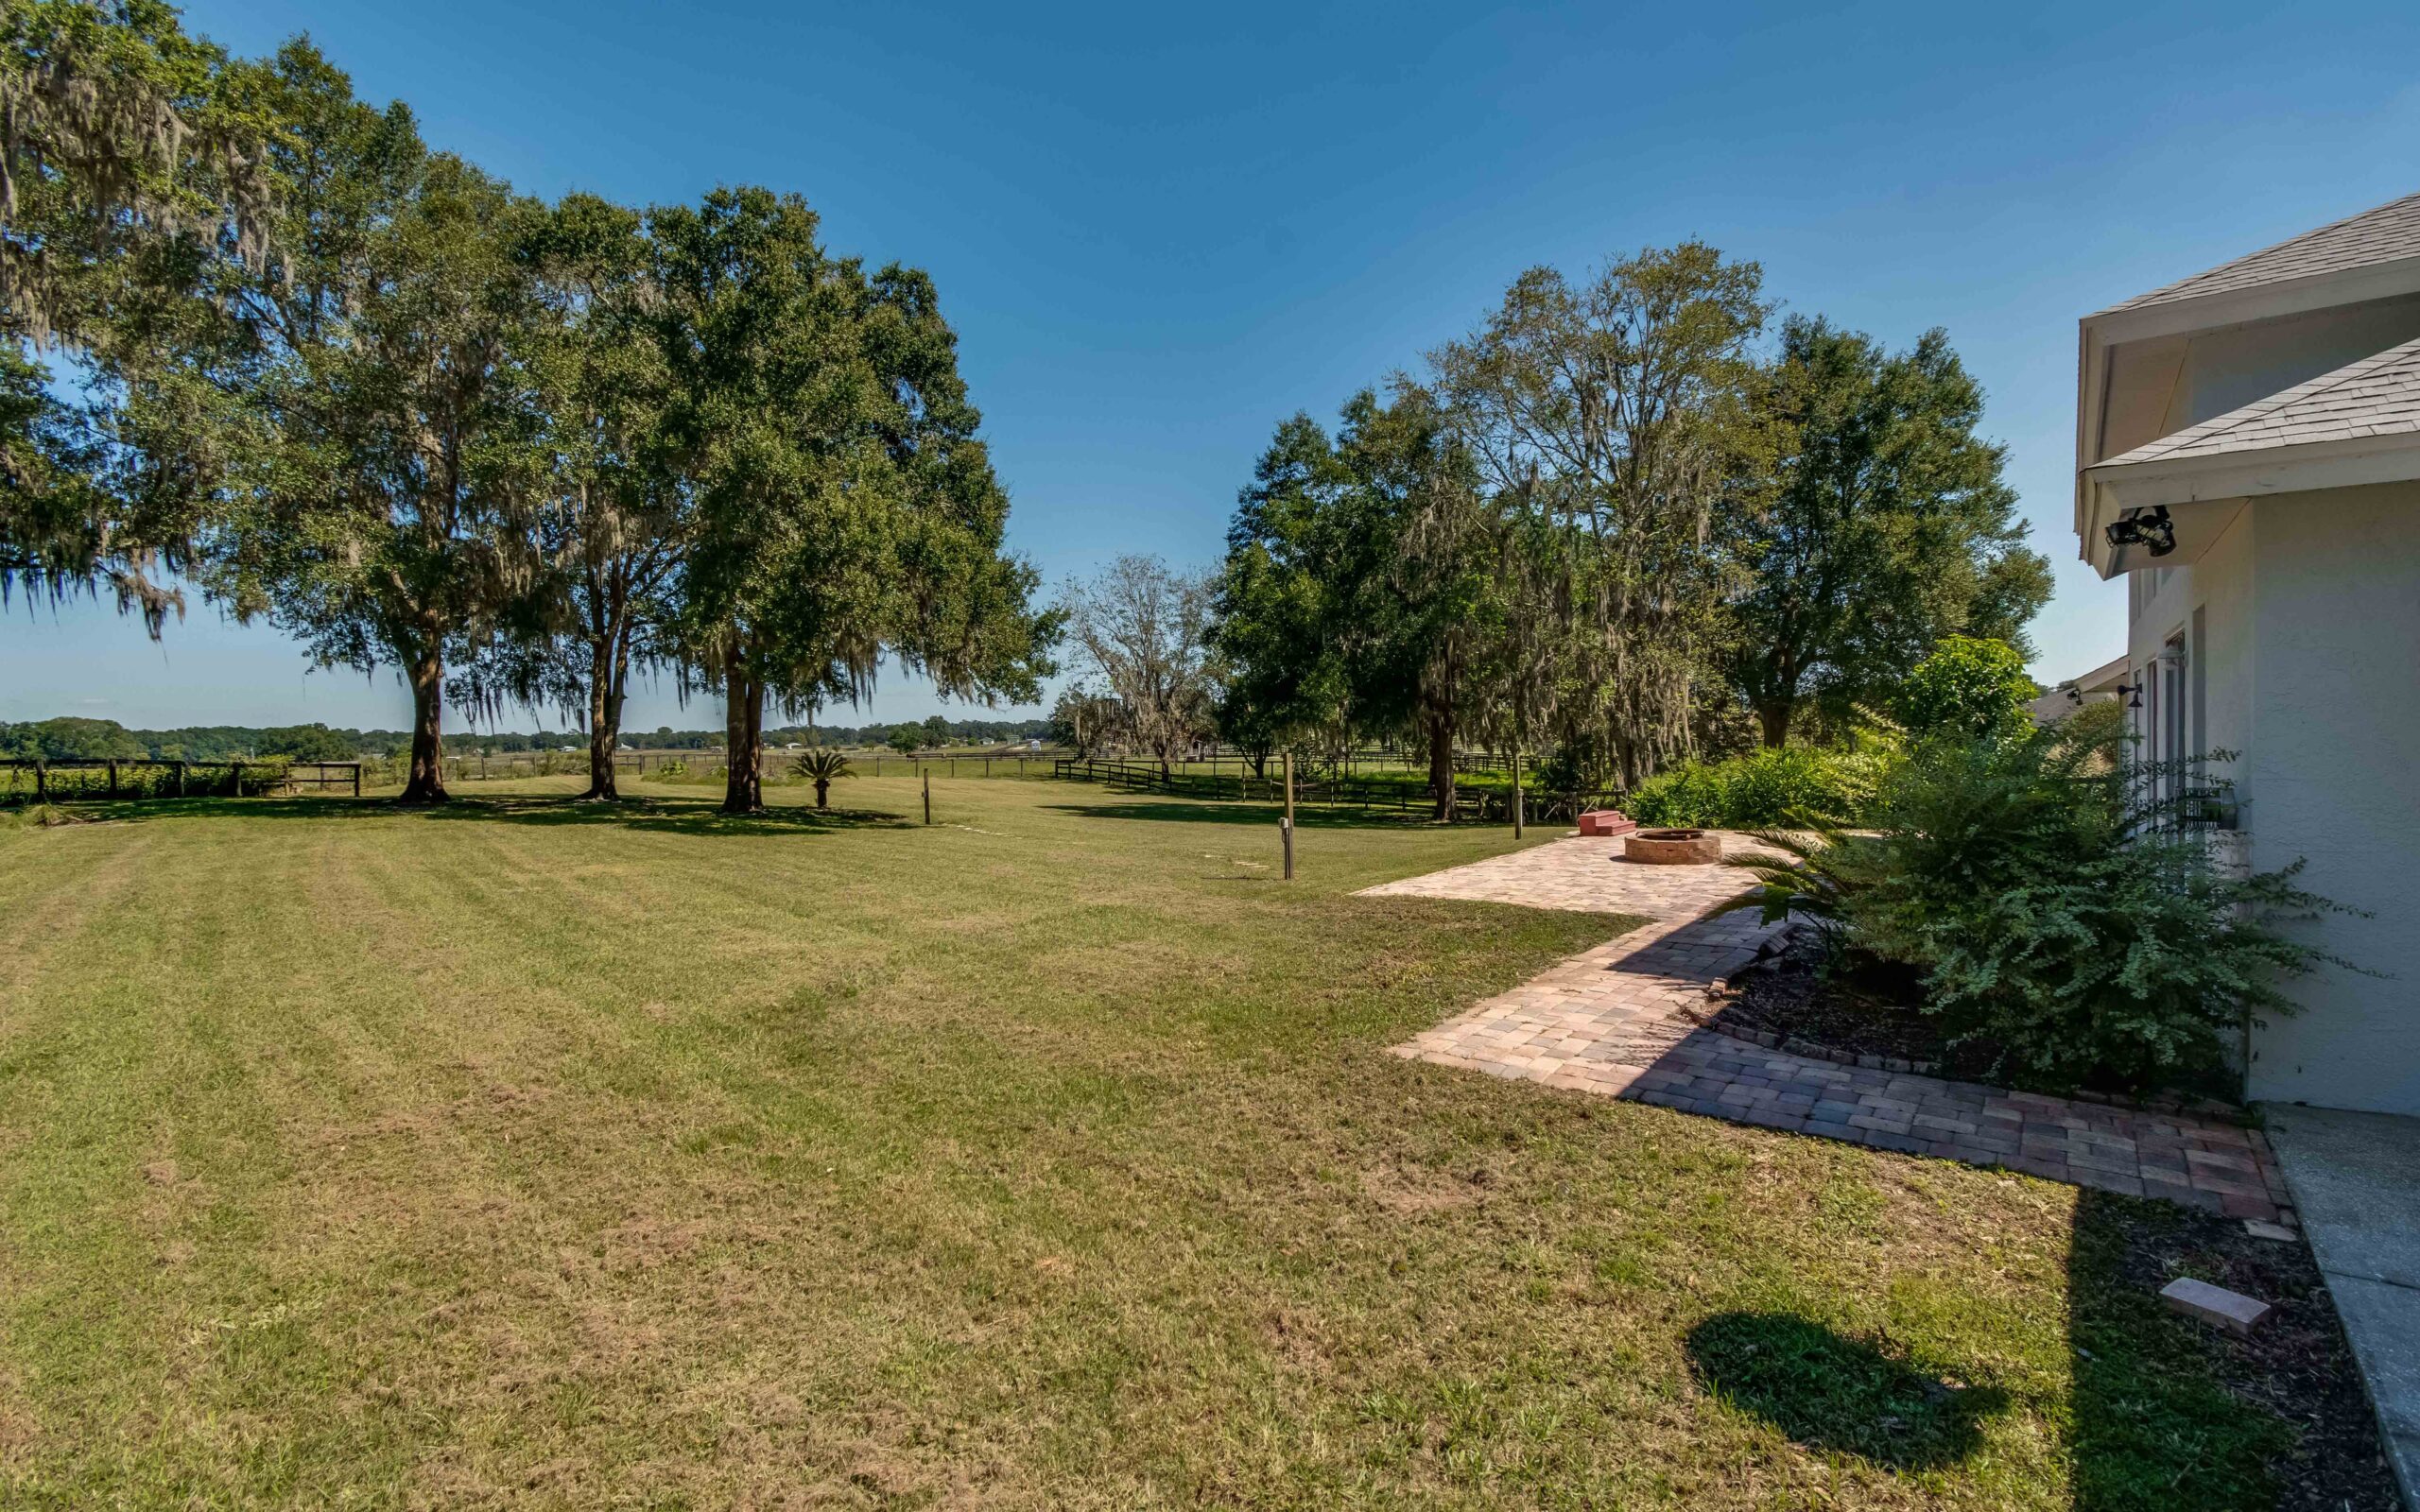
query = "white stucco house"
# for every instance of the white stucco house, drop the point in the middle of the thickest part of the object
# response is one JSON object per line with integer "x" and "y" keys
{"x": 2248, "y": 459}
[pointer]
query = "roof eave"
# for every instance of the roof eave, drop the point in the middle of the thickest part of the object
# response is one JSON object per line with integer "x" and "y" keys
{"x": 2114, "y": 489}
{"x": 2261, "y": 301}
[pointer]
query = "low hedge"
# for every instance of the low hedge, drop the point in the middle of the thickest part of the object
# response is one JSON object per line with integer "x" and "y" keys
{"x": 1763, "y": 790}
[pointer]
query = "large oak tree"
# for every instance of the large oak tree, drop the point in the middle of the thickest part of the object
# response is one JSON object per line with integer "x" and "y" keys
{"x": 131, "y": 155}
{"x": 1888, "y": 525}
{"x": 377, "y": 420}
{"x": 847, "y": 510}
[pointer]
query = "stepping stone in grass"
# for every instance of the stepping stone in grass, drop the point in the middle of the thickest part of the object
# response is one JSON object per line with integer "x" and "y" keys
{"x": 2232, "y": 1310}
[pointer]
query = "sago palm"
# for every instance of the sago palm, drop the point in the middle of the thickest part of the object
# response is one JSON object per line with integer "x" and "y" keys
{"x": 821, "y": 766}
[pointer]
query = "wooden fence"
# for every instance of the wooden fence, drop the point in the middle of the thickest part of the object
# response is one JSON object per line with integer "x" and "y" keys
{"x": 1477, "y": 803}
{"x": 95, "y": 778}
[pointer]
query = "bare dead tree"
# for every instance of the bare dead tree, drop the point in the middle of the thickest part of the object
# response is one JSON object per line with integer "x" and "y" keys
{"x": 1143, "y": 630}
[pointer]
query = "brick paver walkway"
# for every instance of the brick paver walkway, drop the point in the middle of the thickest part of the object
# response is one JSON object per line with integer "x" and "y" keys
{"x": 1586, "y": 874}
{"x": 1609, "y": 1021}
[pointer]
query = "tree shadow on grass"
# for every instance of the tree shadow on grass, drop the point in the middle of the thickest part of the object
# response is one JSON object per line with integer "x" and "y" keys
{"x": 1254, "y": 814}
{"x": 701, "y": 817}
{"x": 1839, "y": 1395}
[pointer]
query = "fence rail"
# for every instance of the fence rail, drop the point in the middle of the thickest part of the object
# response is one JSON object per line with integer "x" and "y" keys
{"x": 1483, "y": 804}
{"x": 75, "y": 778}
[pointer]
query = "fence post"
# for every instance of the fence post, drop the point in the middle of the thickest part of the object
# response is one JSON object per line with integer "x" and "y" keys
{"x": 113, "y": 779}
{"x": 1287, "y": 827}
{"x": 1516, "y": 792}
{"x": 929, "y": 798}
{"x": 42, "y": 781}
{"x": 357, "y": 775}
{"x": 235, "y": 780}
{"x": 181, "y": 778}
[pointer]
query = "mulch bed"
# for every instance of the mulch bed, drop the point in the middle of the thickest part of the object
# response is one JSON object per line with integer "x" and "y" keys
{"x": 1792, "y": 998}
{"x": 1861, "y": 1017}
{"x": 2296, "y": 1365}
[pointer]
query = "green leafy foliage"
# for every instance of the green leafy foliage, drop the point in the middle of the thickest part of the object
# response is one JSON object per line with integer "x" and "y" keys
{"x": 1890, "y": 525}
{"x": 2063, "y": 909}
{"x": 823, "y": 766}
{"x": 1791, "y": 787}
{"x": 1969, "y": 689}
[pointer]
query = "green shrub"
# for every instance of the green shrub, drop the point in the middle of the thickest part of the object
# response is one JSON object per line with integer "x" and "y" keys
{"x": 1790, "y": 787}
{"x": 1967, "y": 689}
{"x": 821, "y": 766}
{"x": 2062, "y": 911}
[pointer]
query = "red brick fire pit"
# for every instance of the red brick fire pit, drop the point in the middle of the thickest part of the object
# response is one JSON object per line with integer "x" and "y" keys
{"x": 1673, "y": 847}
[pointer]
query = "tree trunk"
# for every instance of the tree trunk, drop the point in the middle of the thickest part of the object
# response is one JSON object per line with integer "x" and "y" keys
{"x": 604, "y": 723}
{"x": 744, "y": 739}
{"x": 427, "y": 782}
{"x": 1441, "y": 763}
{"x": 822, "y": 789}
{"x": 1774, "y": 718}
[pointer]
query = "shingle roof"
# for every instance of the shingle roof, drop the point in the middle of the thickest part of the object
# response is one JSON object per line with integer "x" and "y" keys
{"x": 2387, "y": 234}
{"x": 2375, "y": 396}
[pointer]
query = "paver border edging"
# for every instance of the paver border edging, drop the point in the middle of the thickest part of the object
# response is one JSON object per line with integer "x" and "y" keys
{"x": 1615, "y": 1021}
{"x": 1720, "y": 990}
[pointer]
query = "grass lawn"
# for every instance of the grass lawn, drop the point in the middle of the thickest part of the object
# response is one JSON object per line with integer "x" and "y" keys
{"x": 536, "y": 1154}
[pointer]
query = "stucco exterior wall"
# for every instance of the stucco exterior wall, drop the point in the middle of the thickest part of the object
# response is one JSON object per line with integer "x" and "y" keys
{"x": 2327, "y": 663}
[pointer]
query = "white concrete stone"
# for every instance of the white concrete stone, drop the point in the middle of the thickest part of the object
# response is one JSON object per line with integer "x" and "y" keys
{"x": 2228, "y": 1310}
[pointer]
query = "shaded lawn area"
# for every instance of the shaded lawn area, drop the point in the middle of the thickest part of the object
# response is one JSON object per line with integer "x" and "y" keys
{"x": 540, "y": 1154}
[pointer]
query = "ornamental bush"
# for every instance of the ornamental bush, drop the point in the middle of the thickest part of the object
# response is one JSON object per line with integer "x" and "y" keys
{"x": 2066, "y": 914}
{"x": 1795, "y": 786}
{"x": 1967, "y": 689}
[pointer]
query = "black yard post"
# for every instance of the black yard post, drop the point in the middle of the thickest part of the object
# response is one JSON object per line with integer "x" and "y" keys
{"x": 928, "y": 796}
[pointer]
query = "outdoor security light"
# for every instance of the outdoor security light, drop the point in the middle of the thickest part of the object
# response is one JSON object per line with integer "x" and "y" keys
{"x": 2154, "y": 532}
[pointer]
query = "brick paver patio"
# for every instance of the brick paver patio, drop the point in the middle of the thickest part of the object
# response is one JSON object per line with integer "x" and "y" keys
{"x": 1610, "y": 1020}
{"x": 1583, "y": 873}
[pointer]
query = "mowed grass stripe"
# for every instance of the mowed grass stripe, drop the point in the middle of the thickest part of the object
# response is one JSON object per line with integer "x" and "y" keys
{"x": 536, "y": 1155}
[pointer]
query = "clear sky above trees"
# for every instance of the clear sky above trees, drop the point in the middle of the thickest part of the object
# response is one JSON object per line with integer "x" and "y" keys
{"x": 1155, "y": 240}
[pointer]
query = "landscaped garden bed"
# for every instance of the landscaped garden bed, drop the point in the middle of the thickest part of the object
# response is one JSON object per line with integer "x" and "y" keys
{"x": 1811, "y": 1001}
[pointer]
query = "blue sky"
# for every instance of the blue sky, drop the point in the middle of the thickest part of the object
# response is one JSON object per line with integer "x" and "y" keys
{"x": 1159, "y": 230}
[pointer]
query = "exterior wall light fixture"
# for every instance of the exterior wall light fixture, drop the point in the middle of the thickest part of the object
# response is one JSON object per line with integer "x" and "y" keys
{"x": 2154, "y": 532}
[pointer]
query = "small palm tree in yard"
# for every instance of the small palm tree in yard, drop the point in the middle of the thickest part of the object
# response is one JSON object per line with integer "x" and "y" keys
{"x": 821, "y": 766}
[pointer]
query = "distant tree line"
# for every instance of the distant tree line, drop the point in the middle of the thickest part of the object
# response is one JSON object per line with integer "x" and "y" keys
{"x": 71, "y": 739}
{"x": 264, "y": 341}
{"x": 1616, "y": 524}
